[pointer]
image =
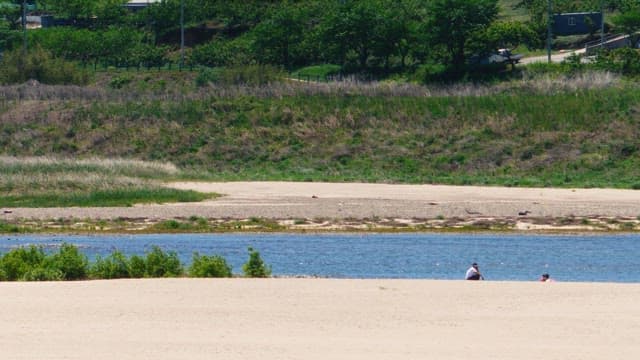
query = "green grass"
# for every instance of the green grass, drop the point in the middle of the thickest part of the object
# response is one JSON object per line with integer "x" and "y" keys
{"x": 508, "y": 10}
{"x": 115, "y": 197}
{"x": 581, "y": 131}
{"x": 316, "y": 72}
{"x": 49, "y": 182}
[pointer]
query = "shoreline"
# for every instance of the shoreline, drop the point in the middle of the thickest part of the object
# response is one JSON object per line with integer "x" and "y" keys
{"x": 349, "y": 207}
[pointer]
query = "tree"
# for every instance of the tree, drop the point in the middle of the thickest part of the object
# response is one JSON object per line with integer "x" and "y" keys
{"x": 352, "y": 30}
{"x": 629, "y": 23}
{"x": 278, "y": 39}
{"x": 453, "y": 23}
{"x": 509, "y": 35}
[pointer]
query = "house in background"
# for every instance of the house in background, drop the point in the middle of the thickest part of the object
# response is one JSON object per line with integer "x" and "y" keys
{"x": 135, "y": 5}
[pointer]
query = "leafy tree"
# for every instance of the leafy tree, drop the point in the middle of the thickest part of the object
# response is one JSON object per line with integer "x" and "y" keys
{"x": 628, "y": 22}
{"x": 10, "y": 14}
{"x": 278, "y": 38}
{"x": 73, "y": 9}
{"x": 509, "y": 35}
{"x": 352, "y": 30}
{"x": 453, "y": 23}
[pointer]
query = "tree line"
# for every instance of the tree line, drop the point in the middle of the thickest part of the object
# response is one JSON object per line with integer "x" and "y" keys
{"x": 361, "y": 36}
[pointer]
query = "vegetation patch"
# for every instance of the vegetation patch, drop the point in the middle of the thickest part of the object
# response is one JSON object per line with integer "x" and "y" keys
{"x": 50, "y": 182}
{"x": 33, "y": 263}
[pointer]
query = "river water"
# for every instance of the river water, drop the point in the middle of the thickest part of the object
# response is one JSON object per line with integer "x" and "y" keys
{"x": 610, "y": 258}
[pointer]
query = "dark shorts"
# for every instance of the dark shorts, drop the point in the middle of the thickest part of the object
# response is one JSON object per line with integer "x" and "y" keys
{"x": 474, "y": 277}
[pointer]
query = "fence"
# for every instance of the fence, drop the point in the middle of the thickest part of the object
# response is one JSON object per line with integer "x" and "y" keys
{"x": 126, "y": 66}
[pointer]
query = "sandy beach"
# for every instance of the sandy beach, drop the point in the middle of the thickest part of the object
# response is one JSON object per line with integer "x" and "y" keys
{"x": 318, "y": 319}
{"x": 286, "y": 318}
{"x": 321, "y": 206}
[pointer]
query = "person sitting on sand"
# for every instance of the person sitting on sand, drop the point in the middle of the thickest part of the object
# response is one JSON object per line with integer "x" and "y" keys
{"x": 545, "y": 278}
{"x": 473, "y": 273}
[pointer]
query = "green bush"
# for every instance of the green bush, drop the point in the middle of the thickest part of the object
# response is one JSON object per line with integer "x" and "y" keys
{"x": 18, "y": 262}
{"x": 137, "y": 267}
{"x": 114, "y": 266}
{"x": 43, "y": 274}
{"x": 209, "y": 266}
{"x": 70, "y": 262}
{"x": 33, "y": 264}
{"x": 39, "y": 65}
{"x": 624, "y": 61}
{"x": 256, "y": 267}
{"x": 161, "y": 264}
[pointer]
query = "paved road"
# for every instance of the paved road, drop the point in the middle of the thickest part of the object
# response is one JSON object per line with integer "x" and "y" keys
{"x": 556, "y": 58}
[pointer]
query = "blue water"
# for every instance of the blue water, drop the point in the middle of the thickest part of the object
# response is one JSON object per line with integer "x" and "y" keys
{"x": 611, "y": 258}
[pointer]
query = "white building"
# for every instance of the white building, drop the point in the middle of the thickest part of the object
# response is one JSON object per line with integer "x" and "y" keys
{"x": 136, "y": 5}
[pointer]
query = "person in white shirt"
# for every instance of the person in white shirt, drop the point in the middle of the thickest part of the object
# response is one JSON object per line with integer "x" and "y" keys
{"x": 473, "y": 273}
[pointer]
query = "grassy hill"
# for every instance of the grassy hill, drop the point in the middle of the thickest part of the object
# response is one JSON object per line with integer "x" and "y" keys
{"x": 535, "y": 133}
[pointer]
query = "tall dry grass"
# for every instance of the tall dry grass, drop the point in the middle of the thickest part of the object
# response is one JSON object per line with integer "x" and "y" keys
{"x": 40, "y": 175}
{"x": 181, "y": 92}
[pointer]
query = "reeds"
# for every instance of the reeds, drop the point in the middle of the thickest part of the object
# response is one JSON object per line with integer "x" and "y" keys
{"x": 46, "y": 182}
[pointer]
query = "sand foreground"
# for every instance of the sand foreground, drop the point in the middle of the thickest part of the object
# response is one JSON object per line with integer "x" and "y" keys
{"x": 318, "y": 319}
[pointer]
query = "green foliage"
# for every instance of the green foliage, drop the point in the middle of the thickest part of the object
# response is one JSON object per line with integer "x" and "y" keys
{"x": 624, "y": 61}
{"x": 15, "y": 264}
{"x": 253, "y": 75}
{"x": 207, "y": 76}
{"x": 255, "y": 266}
{"x": 209, "y": 266}
{"x": 137, "y": 267}
{"x": 70, "y": 262}
{"x": 32, "y": 263}
{"x": 162, "y": 264}
{"x": 39, "y": 65}
{"x": 318, "y": 71}
{"x": 114, "y": 266}
{"x": 453, "y": 23}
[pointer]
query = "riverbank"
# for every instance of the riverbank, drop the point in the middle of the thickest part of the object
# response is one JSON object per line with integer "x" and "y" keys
{"x": 308, "y": 206}
{"x": 318, "y": 319}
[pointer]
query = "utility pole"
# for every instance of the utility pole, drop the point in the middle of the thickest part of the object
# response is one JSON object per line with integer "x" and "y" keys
{"x": 24, "y": 25}
{"x": 549, "y": 19}
{"x": 181, "y": 34}
{"x": 601, "y": 24}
